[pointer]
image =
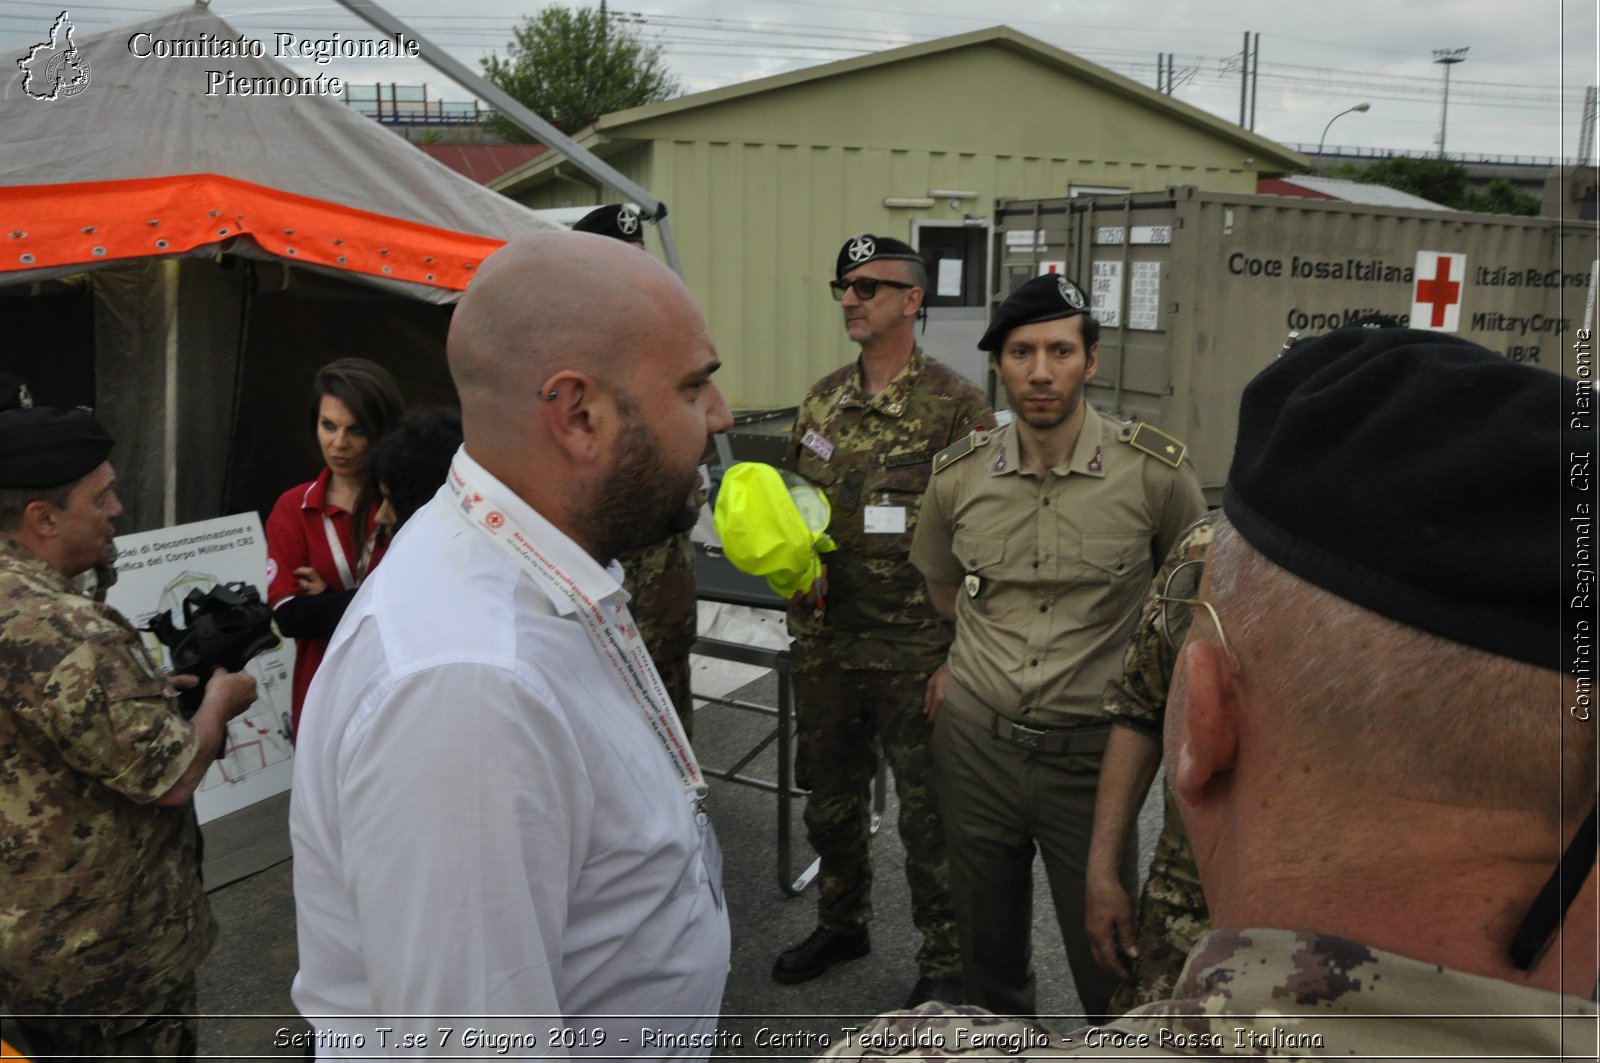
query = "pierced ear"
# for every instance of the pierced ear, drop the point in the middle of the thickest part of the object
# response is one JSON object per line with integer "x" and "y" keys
{"x": 567, "y": 402}
{"x": 1206, "y": 725}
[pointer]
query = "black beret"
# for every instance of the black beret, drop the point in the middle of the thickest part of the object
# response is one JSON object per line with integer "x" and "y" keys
{"x": 864, "y": 247}
{"x": 1043, "y": 298}
{"x": 616, "y": 220}
{"x": 1414, "y": 474}
{"x": 42, "y": 447}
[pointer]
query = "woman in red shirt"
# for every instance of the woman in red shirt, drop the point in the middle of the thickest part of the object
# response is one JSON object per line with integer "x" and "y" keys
{"x": 322, "y": 538}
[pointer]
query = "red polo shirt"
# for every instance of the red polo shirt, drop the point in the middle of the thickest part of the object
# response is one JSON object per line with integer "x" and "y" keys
{"x": 304, "y": 529}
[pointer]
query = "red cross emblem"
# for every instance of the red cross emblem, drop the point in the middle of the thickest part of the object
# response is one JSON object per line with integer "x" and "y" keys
{"x": 1436, "y": 297}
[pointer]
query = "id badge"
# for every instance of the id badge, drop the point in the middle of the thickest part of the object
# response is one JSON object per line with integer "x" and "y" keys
{"x": 884, "y": 520}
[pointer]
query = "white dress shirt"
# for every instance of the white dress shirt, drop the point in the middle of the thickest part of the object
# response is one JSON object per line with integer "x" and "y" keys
{"x": 484, "y": 824}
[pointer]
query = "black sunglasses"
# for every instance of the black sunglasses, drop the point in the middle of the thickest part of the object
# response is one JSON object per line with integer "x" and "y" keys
{"x": 866, "y": 287}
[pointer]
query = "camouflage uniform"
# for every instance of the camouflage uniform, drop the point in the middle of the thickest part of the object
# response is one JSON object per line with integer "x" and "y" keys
{"x": 862, "y": 664}
{"x": 1172, "y": 907}
{"x": 1282, "y": 993}
{"x": 660, "y": 581}
{"x": 101, "y": 907}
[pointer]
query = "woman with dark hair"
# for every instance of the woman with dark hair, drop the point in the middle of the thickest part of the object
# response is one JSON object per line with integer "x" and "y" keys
{"x": 322, "y": 536}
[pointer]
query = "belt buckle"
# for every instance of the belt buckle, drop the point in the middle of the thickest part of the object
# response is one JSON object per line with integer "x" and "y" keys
{"x": 1027, "y": 737}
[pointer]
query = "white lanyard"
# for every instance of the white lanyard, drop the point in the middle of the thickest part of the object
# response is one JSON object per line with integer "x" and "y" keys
{"x": 347, "y": 580}
{"x": 341, "y": 560}
{"x": 611, "y": 629}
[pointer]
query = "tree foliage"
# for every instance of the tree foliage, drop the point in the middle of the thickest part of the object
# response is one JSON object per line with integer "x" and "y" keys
{"x": 572, "y": 65}
{"x": 1441, "y": 181}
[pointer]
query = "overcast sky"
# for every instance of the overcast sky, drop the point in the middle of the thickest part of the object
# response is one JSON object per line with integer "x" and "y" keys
{"x": 1520, "y": 90}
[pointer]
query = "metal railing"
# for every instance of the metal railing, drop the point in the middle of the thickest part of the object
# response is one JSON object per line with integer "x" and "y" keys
{"x": 394, "y": 104}
{"x": 1468, "y": 157}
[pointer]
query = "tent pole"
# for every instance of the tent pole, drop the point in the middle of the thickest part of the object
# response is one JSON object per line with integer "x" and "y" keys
{"x": 525, "y": 120}
{"x": 170, "y": 279}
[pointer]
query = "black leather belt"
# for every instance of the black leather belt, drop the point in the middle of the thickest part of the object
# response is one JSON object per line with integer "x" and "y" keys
{"x": 1076, "y": 738}
{"x": 1085, "y": 738}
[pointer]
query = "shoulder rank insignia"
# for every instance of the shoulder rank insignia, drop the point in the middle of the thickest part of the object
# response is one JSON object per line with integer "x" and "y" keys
{"x": 1156, "y": 443}
{"x": 959, "y": 449}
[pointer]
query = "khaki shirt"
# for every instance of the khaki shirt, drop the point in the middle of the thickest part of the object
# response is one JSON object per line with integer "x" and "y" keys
{"x": 100, "y": 895}
{"x": 1051, "y": 571}
{"x": 876, "y": 451}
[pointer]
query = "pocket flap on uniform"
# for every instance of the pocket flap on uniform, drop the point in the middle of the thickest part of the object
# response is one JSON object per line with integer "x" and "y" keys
{"x": 978, "y": 552}
{"x": 1116, "y": 554}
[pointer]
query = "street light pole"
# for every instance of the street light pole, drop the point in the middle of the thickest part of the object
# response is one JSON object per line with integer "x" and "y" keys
{"x": 1358, "y": 107}
{"x": 1448, "y": 57}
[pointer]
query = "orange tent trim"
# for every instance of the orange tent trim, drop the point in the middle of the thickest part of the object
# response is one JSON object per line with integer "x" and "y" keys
{"x": 93, "y": 222}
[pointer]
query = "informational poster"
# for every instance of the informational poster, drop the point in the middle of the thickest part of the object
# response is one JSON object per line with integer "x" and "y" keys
{"x": 1105, "y": 294}
{"x": 1144, "y": 300}
{"x": 156, "y": 570}
{"x": 950, "y": 277}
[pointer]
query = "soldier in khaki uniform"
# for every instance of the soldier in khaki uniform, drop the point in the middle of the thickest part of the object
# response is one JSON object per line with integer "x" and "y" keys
{"x": 1039, "y": 540}
{"x": 1172, "y": 907}
{"x": 102, "y": 915}
{"x": 1376, "y": 733}
{"x": 659, "y": 578}
{"x": 866, "y": 641}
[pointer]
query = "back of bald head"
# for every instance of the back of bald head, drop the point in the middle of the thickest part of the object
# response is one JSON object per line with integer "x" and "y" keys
{"x": 551, "y": 302}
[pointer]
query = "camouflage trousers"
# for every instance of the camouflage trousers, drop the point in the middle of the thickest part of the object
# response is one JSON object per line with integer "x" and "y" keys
{"x": 167, "y": 1028}
{"x": 660, "y": 582}
{"x": 846, "y": 720}
{"x": 1172, "y": 917}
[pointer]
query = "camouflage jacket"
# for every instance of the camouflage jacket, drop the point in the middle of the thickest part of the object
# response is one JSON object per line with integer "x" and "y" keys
{"x": 100, "y": 895}
{"x": 877, "y": 450}
{"x": 1139, "y": 700}
{"x": 1275, "y": 993}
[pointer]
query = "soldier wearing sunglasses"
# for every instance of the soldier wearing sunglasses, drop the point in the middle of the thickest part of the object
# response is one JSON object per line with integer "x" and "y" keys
{"x": 866, "y": 638}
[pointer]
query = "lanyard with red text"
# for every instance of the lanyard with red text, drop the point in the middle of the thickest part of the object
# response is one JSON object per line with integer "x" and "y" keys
{"x": 610, "y": 628}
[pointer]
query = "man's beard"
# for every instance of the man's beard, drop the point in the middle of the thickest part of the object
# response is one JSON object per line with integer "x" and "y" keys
{"x": 642, "y": 501}
{"x": 1044, "y": 422}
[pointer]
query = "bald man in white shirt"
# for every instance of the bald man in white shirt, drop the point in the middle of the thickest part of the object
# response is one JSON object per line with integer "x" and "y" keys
{"x": 498, "y": 825}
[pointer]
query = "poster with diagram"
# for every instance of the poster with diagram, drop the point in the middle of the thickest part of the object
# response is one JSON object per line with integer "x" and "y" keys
{"x": 156, "y": 570}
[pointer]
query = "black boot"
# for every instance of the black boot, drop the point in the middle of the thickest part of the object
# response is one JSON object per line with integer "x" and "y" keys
{"x": 817, "y": 953}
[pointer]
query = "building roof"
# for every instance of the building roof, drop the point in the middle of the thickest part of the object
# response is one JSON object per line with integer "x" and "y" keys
{"x": 1272, "y": 156}
{"x": 483, "y": 162}
{"x": 1342, "y": 191}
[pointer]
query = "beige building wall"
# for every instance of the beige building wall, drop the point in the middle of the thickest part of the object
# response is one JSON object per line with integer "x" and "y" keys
{"x": 763, "y": 187}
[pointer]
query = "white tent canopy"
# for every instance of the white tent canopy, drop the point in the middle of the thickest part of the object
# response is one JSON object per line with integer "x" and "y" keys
{"x": 194, "y": 256}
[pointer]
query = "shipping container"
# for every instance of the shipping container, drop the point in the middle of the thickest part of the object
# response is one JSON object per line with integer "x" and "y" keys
{"x": 1197, "y": 291}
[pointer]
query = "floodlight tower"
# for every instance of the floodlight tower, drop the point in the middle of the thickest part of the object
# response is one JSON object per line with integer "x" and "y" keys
{"x": 1448, "y": 57}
